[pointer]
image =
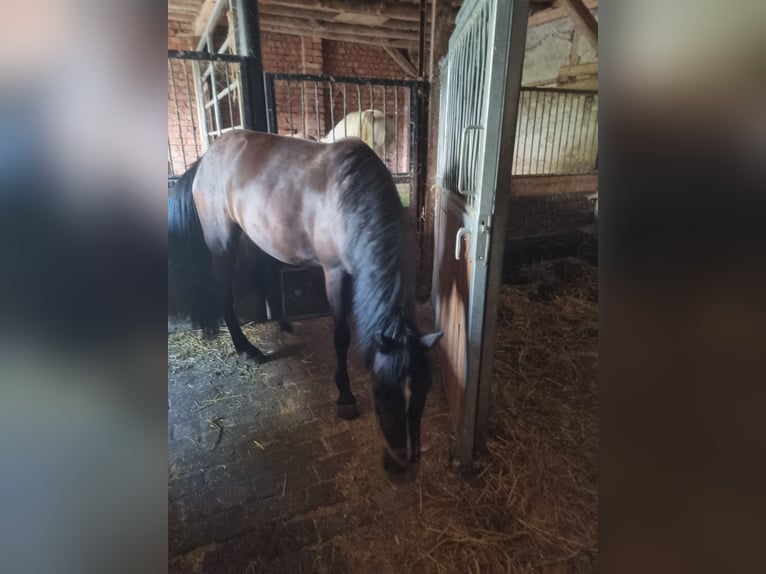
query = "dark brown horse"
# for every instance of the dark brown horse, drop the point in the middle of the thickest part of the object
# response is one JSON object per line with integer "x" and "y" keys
{"x": 303, "y": 202}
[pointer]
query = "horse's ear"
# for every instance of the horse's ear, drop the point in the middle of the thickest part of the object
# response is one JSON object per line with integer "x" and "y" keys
{"x": 429, "y": 340}
{"x": 385, "y": 344}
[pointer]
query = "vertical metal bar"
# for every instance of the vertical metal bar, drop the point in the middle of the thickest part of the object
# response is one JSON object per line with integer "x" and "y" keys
{"x": 344, "y": 112}
{"x": 570, "y": 132}
{"x": 526, "y": 134}
{"x": 559, "y": 155}
{"x": 201, "y": 112}
{"x": 385, "y": 128}
{"x": 290, "y": 108}
{"x": 372, "y": 107}
{"x": 555, "y": 130}
{"x": 584, "y": 133}
{"x": 359, "y": 109}
{"x": 171, "y": 169}
{"x": 178, "y": 114}
{"x": 396, "y": 122}
{"x": 250, "y": 43}
{"x": 332, "y": 106}
{"x": 303, "y": 108}
{"x": 229, "y": 95}
{"x": 271, "y": 104}
{"x": 191, "y": 116}
{"x": 517, "y": 138}
{"x": 588, "y": 138}
{"x": 422, "y": 39}
{"x": 316, "y": 108}
{"x": 216, "y": 106}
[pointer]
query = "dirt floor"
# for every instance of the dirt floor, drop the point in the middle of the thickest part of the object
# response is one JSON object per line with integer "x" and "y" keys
{"x": 264, "y": 478}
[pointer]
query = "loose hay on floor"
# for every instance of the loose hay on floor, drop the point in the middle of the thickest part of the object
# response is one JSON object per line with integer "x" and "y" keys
{"x": 529, "y": 507}
{"x": 533, "y": 506}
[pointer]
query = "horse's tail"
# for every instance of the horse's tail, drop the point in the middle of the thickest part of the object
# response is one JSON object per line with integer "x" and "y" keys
{"x": 191, "y": 282}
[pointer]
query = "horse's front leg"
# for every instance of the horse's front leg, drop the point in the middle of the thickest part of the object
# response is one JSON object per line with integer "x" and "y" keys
{"x": 338, "y": 287}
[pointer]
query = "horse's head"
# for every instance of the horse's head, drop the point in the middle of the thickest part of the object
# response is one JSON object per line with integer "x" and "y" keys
{"x": 401, "y": 379}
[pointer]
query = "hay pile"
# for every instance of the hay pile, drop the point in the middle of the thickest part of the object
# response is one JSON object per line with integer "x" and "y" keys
{"x": 532, "y": 506}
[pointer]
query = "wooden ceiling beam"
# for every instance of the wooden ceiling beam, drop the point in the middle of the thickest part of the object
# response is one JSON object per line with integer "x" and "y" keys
{"x": 327, "y": 16}
{"x": 377, "y": 7}
{"x": 583, "y": 19}
{"x": 556, "y": 13}
{"x": 402, "y": 61}
{"x": 349, "y": 37}
{"x": 317, "y": 27}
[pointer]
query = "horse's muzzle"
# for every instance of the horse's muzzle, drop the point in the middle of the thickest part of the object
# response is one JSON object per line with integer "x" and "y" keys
{"x": 397, "y": 461}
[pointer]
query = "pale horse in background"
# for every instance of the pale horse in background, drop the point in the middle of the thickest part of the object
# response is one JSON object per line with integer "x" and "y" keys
{"x": 368, "y": 125}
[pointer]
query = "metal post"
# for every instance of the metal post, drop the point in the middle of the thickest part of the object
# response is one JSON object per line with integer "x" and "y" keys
{"x": 252, "y": 68}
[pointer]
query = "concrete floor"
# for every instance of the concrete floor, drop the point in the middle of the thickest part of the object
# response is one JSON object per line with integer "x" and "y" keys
{"x": 263, "y": 477}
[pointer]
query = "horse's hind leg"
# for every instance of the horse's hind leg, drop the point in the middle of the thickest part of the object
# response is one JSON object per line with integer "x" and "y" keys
{"x": 224, "y": 264}
{"x": 338, "y": 287}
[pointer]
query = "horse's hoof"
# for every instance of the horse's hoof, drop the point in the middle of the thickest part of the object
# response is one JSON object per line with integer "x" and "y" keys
{"x": 348, "y": 412}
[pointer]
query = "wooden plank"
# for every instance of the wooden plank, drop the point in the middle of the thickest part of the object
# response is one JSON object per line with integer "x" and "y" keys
{"x": 311, "y": 27}
{"x": 589, "y": 69}
{"x": 401, "y": 11}
{"x": 332, "y": 16}
{"x": 526, "y": 186}
{"x": 354, "y": 38}
{"x": 402, "y": 61}
{"x": 555, "y": 13}
{"x": 583, "y": 19}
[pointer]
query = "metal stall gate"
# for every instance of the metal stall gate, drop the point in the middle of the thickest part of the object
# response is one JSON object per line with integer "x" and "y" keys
{"x": 479, "y": 99}
{"x": 326, "y": 108}
{"x": 205, "y": 100}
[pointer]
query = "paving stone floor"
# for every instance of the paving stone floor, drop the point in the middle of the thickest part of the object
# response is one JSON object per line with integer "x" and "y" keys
{"x": 260, "y": 469}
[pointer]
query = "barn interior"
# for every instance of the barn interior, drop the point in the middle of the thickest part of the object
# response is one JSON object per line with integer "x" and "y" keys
{"x": 262, "y": 474}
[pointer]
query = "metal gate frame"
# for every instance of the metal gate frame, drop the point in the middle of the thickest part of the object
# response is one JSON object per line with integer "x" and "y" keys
{"x": 470, "y": 167}
{"x": 416, "y": 102}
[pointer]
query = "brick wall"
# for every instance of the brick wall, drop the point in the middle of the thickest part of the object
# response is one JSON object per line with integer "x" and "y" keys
{"x": 321, "y": 110}
{"x": 183, "y": 126}
{"x": 358, "y": 60}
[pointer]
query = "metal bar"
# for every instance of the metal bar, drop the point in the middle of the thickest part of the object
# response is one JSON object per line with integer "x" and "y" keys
{"x": 207, "y": 56}
{"x": 396, "y": 122}
{"x": 178, "y": 114}
{"x": 229, "y": 94}
{"x": 216, "y": 106}
{"x": 250, "y": 44}
{"x": 344, "y": 111}
{"x": 290, "y": 108}
{"x": 332, "y": 108}
{"x": 527, "y": 156}
{"x": 303, "y": 109}
{"x": 212, "y": 20}
{"x": 316, "y": 108}
{"x": 346, "y": 79}
{"x": 271, "y": 112}
{"x": 565, "y": 111}
{"x": 200, "y": 106}
{"x": 422, "y": 39}
{"x": 385, "y": 128}
{"x": 570, "y": 132}
{"x": 487, "y": 342}
{"x": 171, "y": 168}
{"x": 194, "y": 128}
{"x": 372, "y": 107}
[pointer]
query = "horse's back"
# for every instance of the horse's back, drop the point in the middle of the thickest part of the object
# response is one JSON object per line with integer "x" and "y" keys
{"x": 284, "y": 192}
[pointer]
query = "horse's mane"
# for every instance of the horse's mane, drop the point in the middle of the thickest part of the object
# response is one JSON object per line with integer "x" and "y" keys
{"x": 381, "y": 249}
